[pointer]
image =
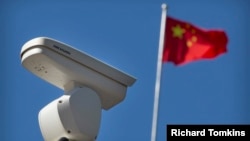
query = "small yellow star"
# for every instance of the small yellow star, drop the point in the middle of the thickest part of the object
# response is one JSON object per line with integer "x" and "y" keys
{"x": 194, "y": 38}
{"x": 193, "y": 31}
{"x": 190, "y": 42}
{"x": 178, "y": 31}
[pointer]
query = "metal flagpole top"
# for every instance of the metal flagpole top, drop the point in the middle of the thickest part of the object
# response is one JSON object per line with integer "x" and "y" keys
{"x": 164, "y": 6}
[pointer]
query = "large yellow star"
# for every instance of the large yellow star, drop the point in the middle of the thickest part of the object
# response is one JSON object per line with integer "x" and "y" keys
{"x": 178, "y": 31}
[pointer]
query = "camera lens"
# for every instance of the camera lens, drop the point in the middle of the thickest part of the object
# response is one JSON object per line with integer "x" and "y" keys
{"x": 63, "y": 139}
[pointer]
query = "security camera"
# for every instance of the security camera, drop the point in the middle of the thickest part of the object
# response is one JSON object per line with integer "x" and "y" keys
{"x": 89, "y": 86}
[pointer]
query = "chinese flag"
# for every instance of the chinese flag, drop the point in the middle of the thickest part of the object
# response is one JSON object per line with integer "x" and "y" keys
{"x": 184, "y": 42}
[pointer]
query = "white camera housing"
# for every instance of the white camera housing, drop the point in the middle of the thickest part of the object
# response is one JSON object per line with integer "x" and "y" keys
{"x": 76, "y": 115}
{"x": 89, "y": 84}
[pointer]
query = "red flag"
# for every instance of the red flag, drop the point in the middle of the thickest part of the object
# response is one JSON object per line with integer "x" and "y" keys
{"x": 184, "y": 42}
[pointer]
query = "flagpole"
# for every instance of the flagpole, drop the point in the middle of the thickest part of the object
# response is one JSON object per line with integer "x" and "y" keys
{"x": 158, "y": 72}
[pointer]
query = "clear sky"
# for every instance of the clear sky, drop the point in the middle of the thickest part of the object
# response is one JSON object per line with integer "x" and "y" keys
{"x": 125, "y": 34}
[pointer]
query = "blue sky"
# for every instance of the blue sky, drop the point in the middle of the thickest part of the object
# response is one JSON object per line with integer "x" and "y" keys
{"x": 125, "y": 34}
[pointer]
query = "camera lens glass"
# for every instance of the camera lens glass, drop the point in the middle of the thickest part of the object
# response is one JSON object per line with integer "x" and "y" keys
{"x": 63, "y": 139}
